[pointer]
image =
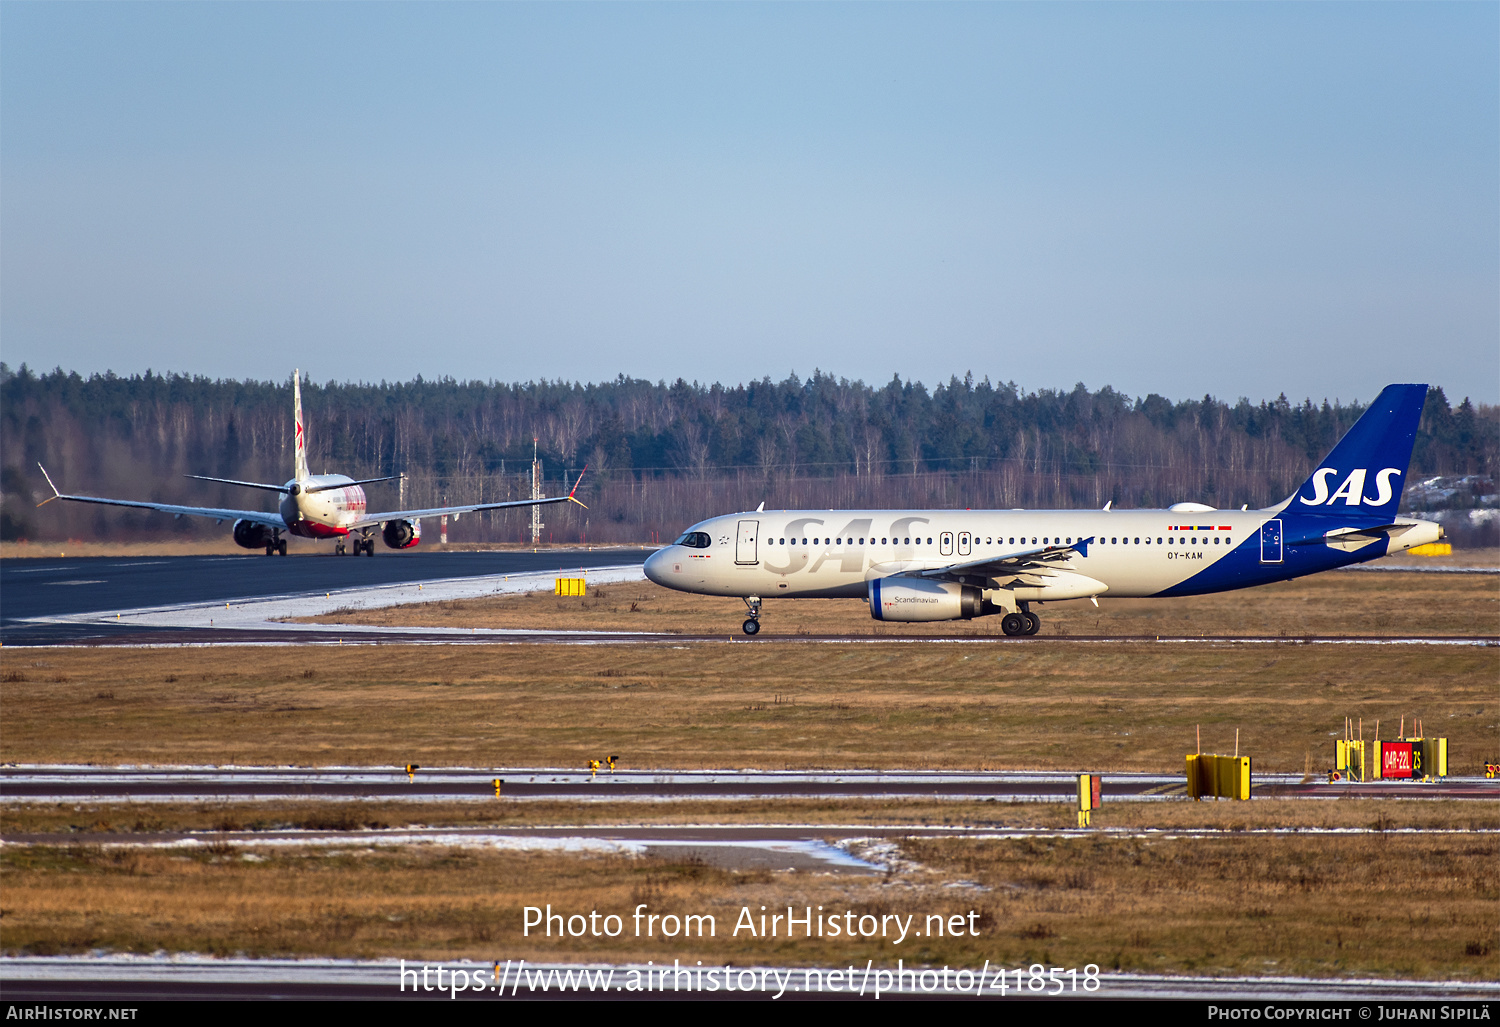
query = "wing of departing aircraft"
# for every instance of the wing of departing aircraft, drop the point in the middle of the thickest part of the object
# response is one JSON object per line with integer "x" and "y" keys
{"x": 438, "y": 511}
{"x": 270, "y": 520}
{"x": 294, "y": 488}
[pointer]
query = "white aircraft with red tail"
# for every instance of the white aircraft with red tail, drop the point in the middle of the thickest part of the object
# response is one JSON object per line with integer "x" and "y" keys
{"x": 315, "y": 506}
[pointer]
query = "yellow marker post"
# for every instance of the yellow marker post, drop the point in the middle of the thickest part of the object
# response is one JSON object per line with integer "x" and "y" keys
{"x": 1089, "y": 794}
{"x": 1349, "y": 759}
{"x": 498, "y": 782}
{"x": 593, "y": 768}
{"x": 1223, "y": 777}
{"x": 612, "y": 763}
{"x": 411, "y": 772}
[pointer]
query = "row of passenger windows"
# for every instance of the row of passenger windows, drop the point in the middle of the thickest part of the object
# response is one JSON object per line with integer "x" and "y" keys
{"x": 889, "y": 541}
{"x": 1046, "y": 540}
{"x": 1168, "y": 541}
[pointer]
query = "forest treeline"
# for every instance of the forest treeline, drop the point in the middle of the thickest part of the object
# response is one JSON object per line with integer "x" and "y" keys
{"x": 661, "y": 456}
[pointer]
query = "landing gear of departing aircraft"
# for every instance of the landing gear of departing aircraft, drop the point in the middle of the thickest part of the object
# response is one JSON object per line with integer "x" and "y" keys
{"x": 752, "y": 623}
{"x": 367, "y": 544}
{"x": 1014, "y": 624}
{"x": 338, "y": 548}
{"x": 281, "y": 547}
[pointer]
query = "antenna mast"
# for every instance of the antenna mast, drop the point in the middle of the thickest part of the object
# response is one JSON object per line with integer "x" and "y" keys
{"x": 536, "y": 493}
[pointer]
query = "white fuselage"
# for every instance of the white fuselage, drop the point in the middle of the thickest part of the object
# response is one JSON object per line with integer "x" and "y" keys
{"x": 322, "y": 514}
{"x": 830, "y": 553}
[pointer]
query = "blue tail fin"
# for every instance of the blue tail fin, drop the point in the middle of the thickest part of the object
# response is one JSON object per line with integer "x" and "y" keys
{"x": 1367, "y": 469}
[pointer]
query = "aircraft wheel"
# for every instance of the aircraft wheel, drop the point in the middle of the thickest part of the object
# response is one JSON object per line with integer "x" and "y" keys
{"x": 1033, "y": 623}
{"x": 1013, "y": 624}
{"x": 369, "y": 547}
{"x": 270, "y": 548}
{"x": 338, "y": 548}
{"x": 751, "y": 626}
{"x": 281, "y": 548}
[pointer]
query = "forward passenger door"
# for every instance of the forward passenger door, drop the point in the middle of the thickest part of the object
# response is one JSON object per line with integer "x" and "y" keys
{"x": 744, "y": 545}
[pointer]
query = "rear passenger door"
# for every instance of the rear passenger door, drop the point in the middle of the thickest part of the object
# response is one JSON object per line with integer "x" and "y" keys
{"x": 1270, "y": 541}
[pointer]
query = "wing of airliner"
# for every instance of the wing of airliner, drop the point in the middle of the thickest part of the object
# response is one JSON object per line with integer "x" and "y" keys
{"x": 1030, "y": 566}
{"x": 438, "y": 511}
{"x": 294, "y": 489}
{"x": 270, "y": 520}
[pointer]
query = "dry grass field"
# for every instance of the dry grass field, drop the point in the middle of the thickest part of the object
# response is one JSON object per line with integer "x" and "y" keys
{"x": 1370, "y": 905}
{"x": 1053, "y": 706}
{"x": 85, "y": 819}
{"x": 1335, "y": 603}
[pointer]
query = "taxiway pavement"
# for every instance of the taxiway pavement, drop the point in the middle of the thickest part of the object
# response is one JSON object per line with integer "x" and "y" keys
{"x": 197, "y": 784}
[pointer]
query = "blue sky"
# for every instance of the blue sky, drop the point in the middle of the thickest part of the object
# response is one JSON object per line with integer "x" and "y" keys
{"x": 1236, "y": 199}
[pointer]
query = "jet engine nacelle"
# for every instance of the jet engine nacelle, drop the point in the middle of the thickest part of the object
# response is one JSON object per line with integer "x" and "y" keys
{"x": 401, "y": 534}
{"x": 252, "y": 535}
{"x": 917, "y": 599}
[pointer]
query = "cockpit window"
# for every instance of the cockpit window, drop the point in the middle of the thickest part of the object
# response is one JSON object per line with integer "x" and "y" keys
{"x": 695, "y": 540}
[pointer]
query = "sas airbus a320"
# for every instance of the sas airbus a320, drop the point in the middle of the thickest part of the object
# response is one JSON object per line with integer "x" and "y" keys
{"x": 935, "y": 565}
{"x": 315, "y": 506}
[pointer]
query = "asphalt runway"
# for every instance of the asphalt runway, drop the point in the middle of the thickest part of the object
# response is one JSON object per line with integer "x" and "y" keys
{"x": 81, "y": 980}
{"x": 196, "y": 784}
{"x": 71, "y": 587}
{"x": 249, "y": 600}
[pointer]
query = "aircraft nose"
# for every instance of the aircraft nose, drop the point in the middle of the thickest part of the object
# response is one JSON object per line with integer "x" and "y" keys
{"x": 656, "y": 566}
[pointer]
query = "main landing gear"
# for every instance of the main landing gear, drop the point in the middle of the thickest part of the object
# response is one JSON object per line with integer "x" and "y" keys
{"x": 361, "y": 545}
{"x": 277, "y": 545}
{"x": 1022, "y": 622}
{"x": 752, "y": 623}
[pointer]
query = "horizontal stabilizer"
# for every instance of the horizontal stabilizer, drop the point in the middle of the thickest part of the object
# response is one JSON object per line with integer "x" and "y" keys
{"x": 246, "y": 484}
{"x": 349, "y": 484}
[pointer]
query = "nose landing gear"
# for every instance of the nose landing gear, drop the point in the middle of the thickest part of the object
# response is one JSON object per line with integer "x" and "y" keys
{"x": 752, "y": 623}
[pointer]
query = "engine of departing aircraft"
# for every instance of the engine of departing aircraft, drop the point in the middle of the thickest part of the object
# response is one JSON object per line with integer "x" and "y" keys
{"x": 252, "y": 535}
{"x": 401, "y": 534}
{"x": 916, "y": 599}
